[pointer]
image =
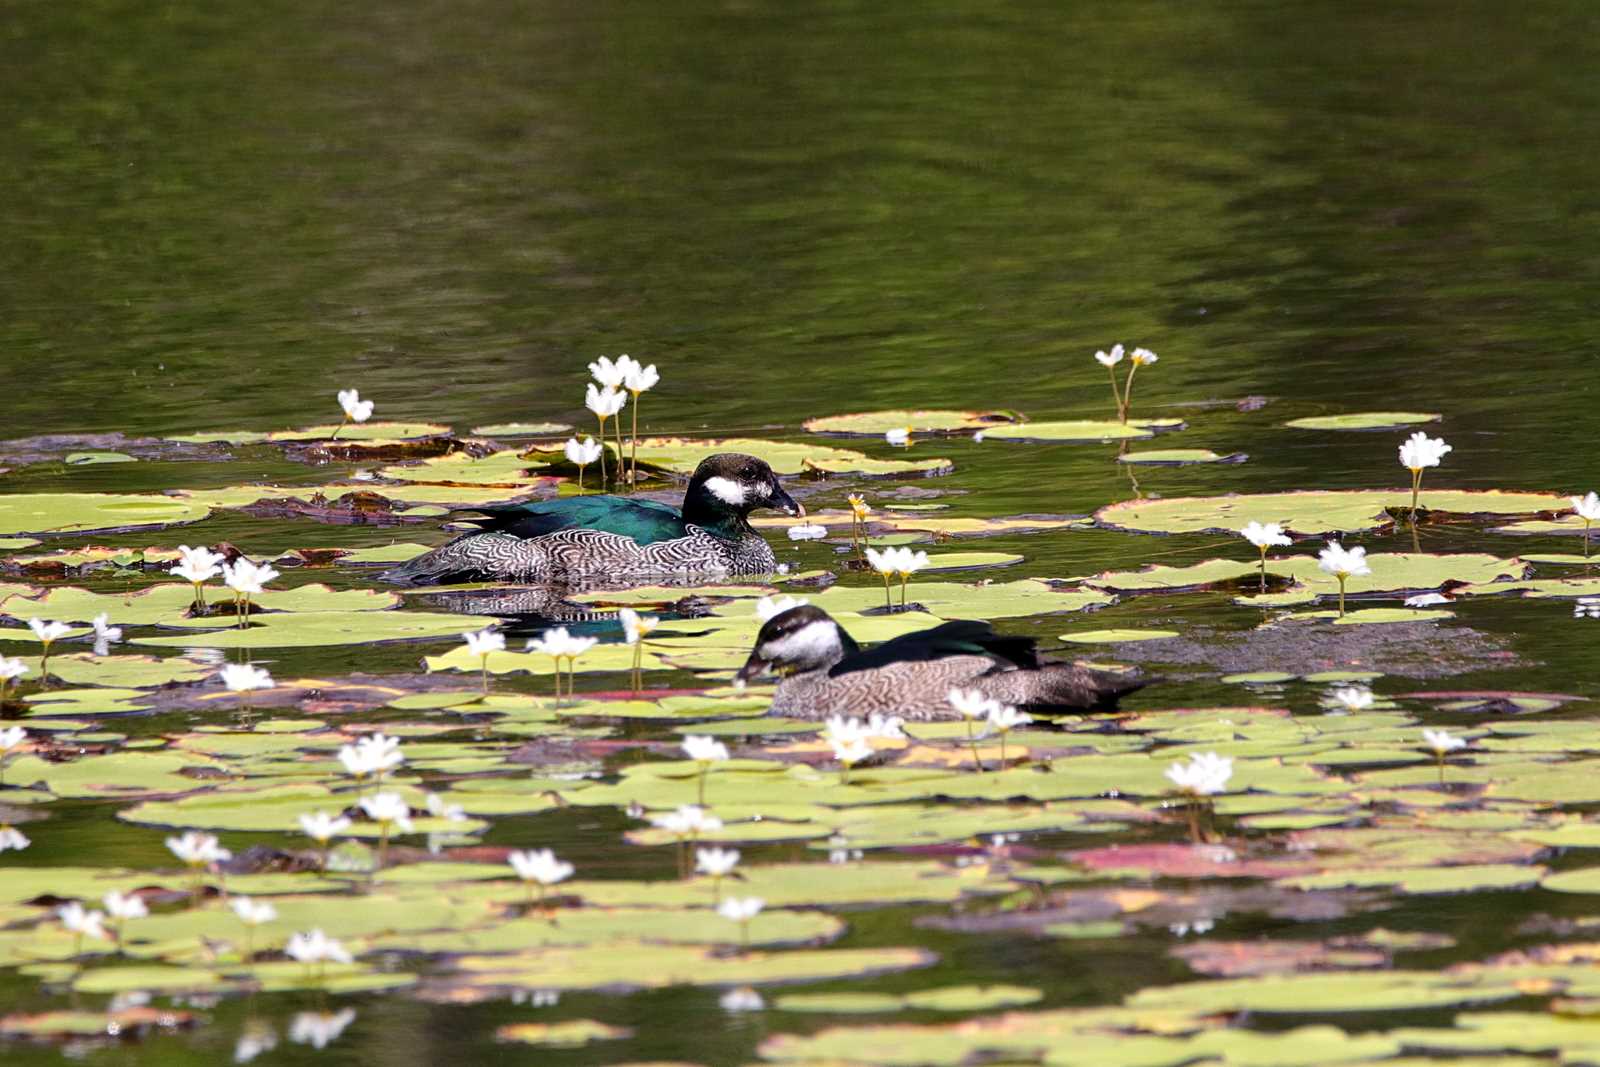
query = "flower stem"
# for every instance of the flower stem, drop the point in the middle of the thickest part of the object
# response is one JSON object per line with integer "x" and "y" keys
{"x": 634, "y": 479}
{"x": 904, "y": 578}
{"x": 621, "y": 462}
{"x": 485, "y": 665}
{"x": 888, "y": 598}
{"x": 339, "y": 427}
{"x": 1115, "y": 395}
{"x": 602, "y": 419}
{"x": 1263, "y": 568}
{"x": 700, "y": 799}
{"x": 1586, "y": 524}
{"x": 1341, "y": 596}
{"x": 1127, "y": 394}
{"x": 1416, "y": 489}
{"x": 580, "y": 477}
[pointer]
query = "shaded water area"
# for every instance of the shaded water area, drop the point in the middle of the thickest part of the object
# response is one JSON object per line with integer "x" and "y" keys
{"x": 217, "y": 215}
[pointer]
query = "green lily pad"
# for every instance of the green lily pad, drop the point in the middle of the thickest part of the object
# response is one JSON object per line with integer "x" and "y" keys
{"x": 572, "y": 1033}
{"x": 969, "y": 561}
{"x": 1312, "y": 511}
{"x": 89, "y": 459}
{"x": 1325, "y": 993}
{"x": 877, "y": 423}
{"x": 1082, "y": 430}
{"x": 683, "y": 455}
{"x": 363, "y": 431}
{"x": 521, "y": 429}
{"x": 312, "y": 629}
{"x": 149, "y": 979}
{"x": 396, "y": 553}
{"x": 1179, "y": 457}
{"x": 507, "y": 468}
{"x": 92, "y": 512}
{"x": 1363, "y": 420}
{"x": 114, "y": 774}
{"x": 1112, "y": 637}
{"x": 1365, "y": 616}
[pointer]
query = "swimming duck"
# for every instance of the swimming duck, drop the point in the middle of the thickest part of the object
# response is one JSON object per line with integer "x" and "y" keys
{"x": 616, "y": 537}
{"x": 822, "y": 671}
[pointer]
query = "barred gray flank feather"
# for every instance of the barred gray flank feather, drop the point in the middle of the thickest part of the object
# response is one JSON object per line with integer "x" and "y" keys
{"x": 575, "y": 554}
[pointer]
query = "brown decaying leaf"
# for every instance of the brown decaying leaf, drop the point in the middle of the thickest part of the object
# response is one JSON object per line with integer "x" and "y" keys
{"x": 1244, "y": 959}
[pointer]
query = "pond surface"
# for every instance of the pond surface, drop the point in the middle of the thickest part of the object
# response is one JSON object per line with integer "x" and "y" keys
{"x": 218, "y": 215}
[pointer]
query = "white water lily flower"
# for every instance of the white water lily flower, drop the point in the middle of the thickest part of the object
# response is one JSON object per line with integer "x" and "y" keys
{"x": 910, "y": 562}
{"x": 198, "y": 849}
{"x": 194, "y": 574}
{"x": 768, "y": 606}
{"x": 636, "y": 627}
{"x": 611, "y": 373}
{"x": 887, "y": 726}
{"x": 640, "y": 379}
{"x": 583, "y": 454}
{"x": 900, "y": 435}
{"x": 248, "y": 578}
{"x": 851, "y": 751}
{"x": 372, "y": 754}
{"x": 742, "y": 999}
{"x": 256, "y": 1038}
{"x": 1441, "y": 742}
{"x": 242, "y": 677}
{"x": 484, "y": 642}
{"x": 1004, "y": 717}
{"x": 1265, "y": 535}
{"x": 1419, "y": 451}
{"x": 440, "y": 808}
{"x": 76, "y": 918}
{"x": 252, "y": 912}
{"x": 971, "y": 703}
{"x": 1342, "y": 563}
{"x": 1587, "y": 507}
{"x": 1206, "y": 774}
{"x": 561, "y": 644}
{"x": 540, "y": 865}
{"x": 48, "y": 631}
{"x": 11, "y": 668}
{"x": 688, "y": 820}
{"x": 355, "y": 409}
{"x": 1352, "y": 698}
{"x": 1142, "y": 357}
{"x": 717, "y": 862}
{"x": 105, "y": 635}
{"x": 741, "y": 909}
{"x": 704, "y": 749}
{"x": 604, "y": 403}
{"x": 314, "y": 946}
{"x": 1111, "y": 358}
{"x": 124, "y": 906}
{"x": 12, "y": 737}
{"x": 1426, "y": 600}
{"x": 841, "y": 730}
{"x": 388, "y": 808}
{"x": 319, "y": 1028}
{"x": 883, "y": 560}
{"x": 807, "y": 531}
{"x": 200, "y": 557}
{"x": 322, "y": 827}
{"x": 12, "y": 838}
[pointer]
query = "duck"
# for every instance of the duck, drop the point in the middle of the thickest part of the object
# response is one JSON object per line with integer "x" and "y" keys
{"x": 616, "y": 537}
{"x": 822, "y": 671}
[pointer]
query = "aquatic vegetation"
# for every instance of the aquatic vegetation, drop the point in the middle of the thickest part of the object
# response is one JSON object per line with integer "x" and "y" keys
{"x": 198, "y": 566}
{"x": 1343, "y": 564}
{"x": 1109, "y": 361}
{"x": 1587, "y": 508}
{"x": 741, "y": 910}
{"x": 581, "y": 454}
{"x": 355, "y": 409}
{"x": 638, "y": 380}
{"x": 1417, "y": 454}
{"x": 484, "y": 643}
{"x": 559, "y": 644}
{"x": 605, "y": 404}
{"x": 47, "y": 633}
{"x": 246, "y": 579}
{"x": 1265, "y": 536}
{"x": 1139, "y": 357}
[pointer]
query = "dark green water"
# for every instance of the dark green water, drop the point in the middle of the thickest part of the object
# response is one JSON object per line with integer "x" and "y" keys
{"x": 216, "y": 215}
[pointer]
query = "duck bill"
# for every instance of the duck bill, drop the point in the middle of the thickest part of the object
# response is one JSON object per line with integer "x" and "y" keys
{"x": 754, "y": 669}
{"x": 782, "y": 501}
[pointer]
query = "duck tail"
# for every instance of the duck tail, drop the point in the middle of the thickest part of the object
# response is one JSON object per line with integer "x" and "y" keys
{"x": 1062, "y": 686}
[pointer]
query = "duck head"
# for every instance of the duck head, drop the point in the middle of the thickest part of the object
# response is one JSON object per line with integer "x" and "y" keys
{"x": 795, "y": 641}
{"x": 728, "y": 486}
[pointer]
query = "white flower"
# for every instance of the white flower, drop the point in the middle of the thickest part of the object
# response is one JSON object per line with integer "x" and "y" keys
{"x": 12, "y": 737}
{"x": 82, "y": 922}
{"x": 688, "y": 820}
{"x": 12, "y": 838}
{"x": 841, "y": 730}
{"x": 321, "y": 827}
{"x": 372, "y": 754}
{"x": 1205, "y": 774}
{"x": 1111, "y": 358}
{"x": 911, "y": 562}
{"x": 384, "y": 808}
{"x": 640, "y": 378}
{"x": 971, "y": 703}
{"x": 440, "y": 808}
{"x": 611, "y": 373}
{"x": 1004, "y": 717}
{"x": 484, "y": 642}
{"x": 319, "y": 1029}
{"x": 124, "y": 906}
{"x": 636, "y": 627}
{"x": 1142, "y": 357}
{"x": 561, "y": 644}
{"x": 1426, "y": 600}
{"x": 194, "y": 573}
{"x": 540, "y": 866}
{"x": 879, "y": 725}
{"x": 242, "y": 576}
{"x": 740, "y": 909}
{"x": 1342, "y": 563}
{"x": 200, "y": 557}
{"x": 253, "y": 1041}
{"x": 198, "y": 849}
{"x": 47, "y": 631}
{"x": 768, "y": 606}
{"x": 105, "y": 635}
{"x": 355, "y": 409}
{"x": 1265, "y": 535}
{"x": 1419, "y": 451}
{"x": 251, "y": 912}
{"x": 1587, "y": 507}
{"x": 1352, "y": 698}
{"x": 900, "y": 435}
{"x": 716, "y": 862}
{"x": 704, "y": 749}
{"x": 242, "y": 677}
{"x": 604, "y": 404}
{"x": 851, "y": 751}
{"x": 807, "y": 531}
{"x": 1441, "y": 741}
{"x": 742, "y": 999}
{"x": 314, "y": 946}
{"x": 883, "y": 561}
{"x": 11, "y": 668}
{"x": 582, "y": 455}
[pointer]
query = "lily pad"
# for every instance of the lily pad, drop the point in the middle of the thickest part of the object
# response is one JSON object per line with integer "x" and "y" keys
{"x": 1180, "y": 457}
{"x": 90, "y": 459}
{"x": 1113, "y": 637}
{"x": 1313, "y": 511}
{"x": 1082, "y": 431}
{"x": 572, "y": 1033}
{"x": 683, "y": 455}
{"x": 521, "y": 429}
{"x": 1363, "y": 420}
{"x": 97, "y": 512}
{"x": 925, "y": 423}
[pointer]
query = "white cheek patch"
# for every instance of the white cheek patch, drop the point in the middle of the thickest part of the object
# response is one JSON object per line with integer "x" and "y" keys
{"x": 763, "y": 490}
{"x": 726, "y": 490}
{"x": 812, "y": 642}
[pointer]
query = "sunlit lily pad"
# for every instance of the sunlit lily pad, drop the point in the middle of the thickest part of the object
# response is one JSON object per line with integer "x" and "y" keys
{"x": 1112, "y": 637}
{"x": 876, "y": 423}
{"x": 572, "y": 1033}
{"x": 85, "y": 512}
{"x": 92, "y": 459}
{"x": 508, "y": 468}
{"x": 1082, "y": 430}
{"x": 521, "y": 429}
{"x": 1312, "y": 511}
{"x": 1180, "y": 457}
{"x": 683, "y": 455}
{"x": 1363, "y": 420}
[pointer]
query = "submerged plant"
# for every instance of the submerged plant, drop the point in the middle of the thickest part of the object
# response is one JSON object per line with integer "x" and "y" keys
{"x": 582, "y": 454}
{"x": 482, "y": 644}
{"x": 1109, "y": 361}
{"x": 1343, "y": 564}
{"x": 1265, "y": 536}
{"x": 539, "y": 867}
{"x": 355, "y": 409}
{"x": 1588, "y": 509}
{"x": 704, "y": 751}
{"x": 1417, "y": 453}
{"x": 1203, "y": 777}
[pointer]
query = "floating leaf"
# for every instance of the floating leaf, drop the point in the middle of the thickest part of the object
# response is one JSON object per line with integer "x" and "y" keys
{"x": 92, "y": 512}
{"x": 1082, "y": 430}
{"x": 1113, "y": 637}
{"x": 90, "y": 459}
{"x": 569, "y": 1034}
{"x": 521, "y": 429}
{"x": 876, "y": 423}
{"x": 1312, "y": 511}
{"x": 1180, "y": 457}
{"x": 1364, "y": 420}
{"x": 683, "y": 455}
